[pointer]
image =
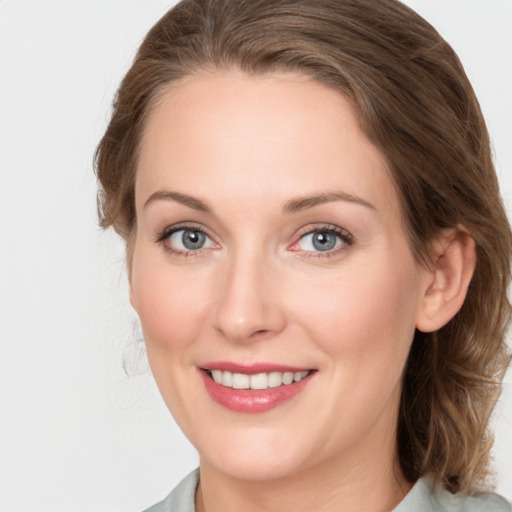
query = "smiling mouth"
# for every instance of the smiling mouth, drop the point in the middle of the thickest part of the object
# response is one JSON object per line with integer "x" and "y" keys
{"x": 255, "y": 388}
{"x": 258, "y": 381}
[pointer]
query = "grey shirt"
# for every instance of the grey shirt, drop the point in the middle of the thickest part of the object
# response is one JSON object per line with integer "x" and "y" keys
{"x": 422, "y": 498}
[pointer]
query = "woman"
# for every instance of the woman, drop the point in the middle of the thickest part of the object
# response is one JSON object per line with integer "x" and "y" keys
{"x": 317, "y": 252}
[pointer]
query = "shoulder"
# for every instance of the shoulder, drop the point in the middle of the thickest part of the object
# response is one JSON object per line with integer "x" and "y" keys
{"x": 426, "y": 497}
{"x": 477, "y": 503}
{"x": 181, "y": 498}
{"x": 423, "y": 497}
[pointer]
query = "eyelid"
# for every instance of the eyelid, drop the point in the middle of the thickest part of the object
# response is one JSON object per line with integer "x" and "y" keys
{"x": 344, "y": 236}
{"x": 347, "y": 240}
{"x": 163, "y": 235}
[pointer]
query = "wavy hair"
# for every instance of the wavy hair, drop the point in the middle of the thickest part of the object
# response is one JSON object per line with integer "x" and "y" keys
{"x": 415, "y": 103}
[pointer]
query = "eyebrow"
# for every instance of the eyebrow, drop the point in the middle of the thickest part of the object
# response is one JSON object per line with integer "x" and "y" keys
{"x": 184, "y": 199}
{"x": 291, "y": 206}
{"x": 303, "y": 203}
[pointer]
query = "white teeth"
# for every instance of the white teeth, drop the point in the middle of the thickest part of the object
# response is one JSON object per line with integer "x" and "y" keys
{"x": 257, "y": 381}
{"x": 217, "y": 376}
{"x": 288, "y": 378}
{"x": 227, "y": 379}
{"x": 275, "y": 379}
{"x": 240, "y": 381}
{"x": 299, "y": 375}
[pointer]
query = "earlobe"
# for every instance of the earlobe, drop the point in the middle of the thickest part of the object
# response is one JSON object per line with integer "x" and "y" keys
{"x": 131, "y": 293}
{"x": 132, "y": 302}
{"x": 130, "y": 285}
{"x": 129, "y": 272}
{"x": 130, "y": 249}
{"x": 448, "y": 279}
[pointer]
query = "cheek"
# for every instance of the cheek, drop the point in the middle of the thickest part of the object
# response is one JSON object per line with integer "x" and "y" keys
{"x": 171, "y": 303}
{"x": 366, "y": 315}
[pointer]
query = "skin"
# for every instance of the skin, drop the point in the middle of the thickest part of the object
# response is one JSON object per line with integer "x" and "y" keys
{"x": 258, "y": 291}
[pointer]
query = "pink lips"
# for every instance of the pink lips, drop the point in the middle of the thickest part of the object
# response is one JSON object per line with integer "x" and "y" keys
{"x": 247, "y": 400}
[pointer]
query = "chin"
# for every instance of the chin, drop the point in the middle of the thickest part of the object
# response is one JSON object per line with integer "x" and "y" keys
{"x": 251, "y": 468}
{"x": 255, "y": 456}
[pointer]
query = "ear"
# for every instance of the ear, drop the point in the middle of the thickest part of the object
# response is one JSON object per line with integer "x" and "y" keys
{"x": 454, "y": 260}
{"x": 131, "y": 294}
{"x": 130, "y": 288}
{"x": 130, "y": 248}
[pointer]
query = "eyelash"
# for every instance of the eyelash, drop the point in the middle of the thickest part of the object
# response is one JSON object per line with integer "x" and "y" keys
{"x": 163, "y": 236}
{"x": 343, "y": 235}
{"x": 347, "y": 240}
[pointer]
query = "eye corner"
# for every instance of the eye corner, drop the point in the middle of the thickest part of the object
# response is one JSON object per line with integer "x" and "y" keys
{"x": 330, "y": 241}
{"x": 186, "y": 239}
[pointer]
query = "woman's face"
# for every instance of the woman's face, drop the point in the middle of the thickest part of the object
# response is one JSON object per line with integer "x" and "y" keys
{"x": 270, "y": 254}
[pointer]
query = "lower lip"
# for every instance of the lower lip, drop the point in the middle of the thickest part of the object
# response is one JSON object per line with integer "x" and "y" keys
{"x": 252, "y": 401}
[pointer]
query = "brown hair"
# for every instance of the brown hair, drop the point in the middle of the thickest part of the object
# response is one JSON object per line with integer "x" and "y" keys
{"x": 417, "y": 106}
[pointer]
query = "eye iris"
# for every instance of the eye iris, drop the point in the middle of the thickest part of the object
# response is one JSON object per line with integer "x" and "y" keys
{"x": 324, "y": 241}
{"x": 193, "y": 239}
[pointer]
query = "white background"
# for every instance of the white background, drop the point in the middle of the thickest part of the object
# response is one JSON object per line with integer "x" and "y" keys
{"x": 76, "y": 434}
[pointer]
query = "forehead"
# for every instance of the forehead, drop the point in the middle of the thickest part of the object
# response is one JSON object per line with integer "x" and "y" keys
{"x": 276, "y": 134}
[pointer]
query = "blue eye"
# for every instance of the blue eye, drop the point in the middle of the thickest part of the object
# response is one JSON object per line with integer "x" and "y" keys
{"x": 188, "y": 240}
{"x": 323, "y": 240}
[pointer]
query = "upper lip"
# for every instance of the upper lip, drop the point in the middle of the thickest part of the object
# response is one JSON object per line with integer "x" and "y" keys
{"x": 252, "y": 368}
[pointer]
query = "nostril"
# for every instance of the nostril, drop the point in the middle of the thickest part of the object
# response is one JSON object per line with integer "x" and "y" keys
{"x": 260, "y": 333}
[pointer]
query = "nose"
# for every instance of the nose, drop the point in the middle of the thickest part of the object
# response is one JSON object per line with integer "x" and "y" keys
{"x": 248, "y": 305}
